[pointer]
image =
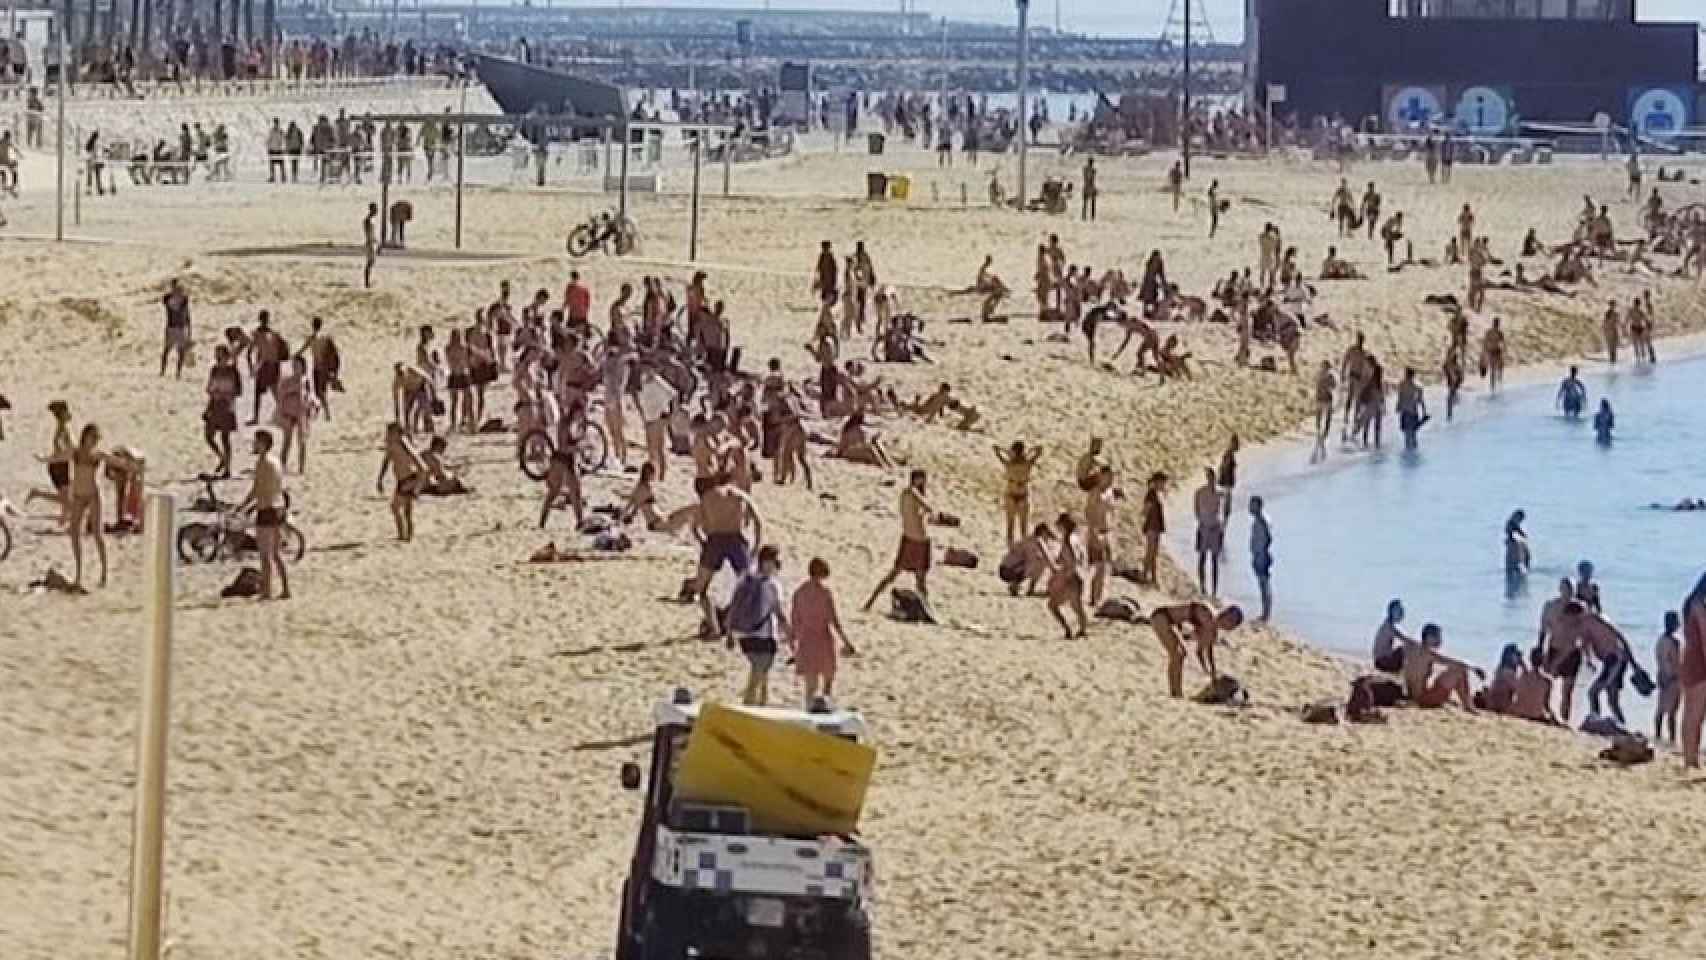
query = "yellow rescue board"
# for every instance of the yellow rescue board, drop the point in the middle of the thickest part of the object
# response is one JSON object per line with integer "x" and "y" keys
{"x": 790, "y": 779}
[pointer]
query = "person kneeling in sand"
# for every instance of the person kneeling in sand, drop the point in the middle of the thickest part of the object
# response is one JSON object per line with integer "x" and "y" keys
{"x": 441, "y": 480}
{"x": 1027, "y": 562}
{"x": 1422, "y": 687}
{"x": 1204, "y": 626}
{"x": 858, "y": 445}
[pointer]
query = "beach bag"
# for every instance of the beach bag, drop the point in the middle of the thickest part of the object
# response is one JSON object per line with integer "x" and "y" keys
{"x": 1119, "y": 608}
{"x": 1381, "y": 691}
{"x": 247, "y": 584}
{"x": 595, "y": 523}
{"x": 1224, "y": 690}
{"x": 748, "y": 611}
{"x": 956, "y": 557}
{"x": 908, "y": 607}
{"x": 612, "y": 541}
{"x": 1012, "y": 572}
{"x": 1321, "y": 712}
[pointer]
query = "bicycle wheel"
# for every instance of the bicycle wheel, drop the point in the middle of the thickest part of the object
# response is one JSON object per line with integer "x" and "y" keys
{"x": 593, "y": 448}
{"x": 291, "y": 543}
{"x": 535, "y": 454}
{"x": 197, "y": 543}
{"x": 5, "y": 540}
{"x": 580, "y": 241}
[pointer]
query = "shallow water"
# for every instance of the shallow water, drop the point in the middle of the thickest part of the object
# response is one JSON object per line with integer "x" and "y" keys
{"x": 1428, "y": 527}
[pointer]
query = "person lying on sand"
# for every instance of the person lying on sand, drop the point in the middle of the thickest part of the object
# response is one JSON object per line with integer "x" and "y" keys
{"x": 1422, "y": 687}
{"x": 1204, "y": 627}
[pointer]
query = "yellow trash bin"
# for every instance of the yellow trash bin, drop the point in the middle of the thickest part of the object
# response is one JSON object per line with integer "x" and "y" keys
{"x": 900, "y": 187}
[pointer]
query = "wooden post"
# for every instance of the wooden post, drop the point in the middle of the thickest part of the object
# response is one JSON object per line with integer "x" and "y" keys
{"x": 148, "y": 832}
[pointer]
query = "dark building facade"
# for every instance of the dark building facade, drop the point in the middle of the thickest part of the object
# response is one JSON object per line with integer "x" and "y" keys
{"x": 1480, "y": 64}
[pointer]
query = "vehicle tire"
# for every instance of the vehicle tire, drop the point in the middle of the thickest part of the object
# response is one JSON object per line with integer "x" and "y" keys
{"x": 5, "y": 540}
{"x": 626, "y": 949}
{"x": 854, "y": 938}
{"x": 664, "y": 934}
{"x": 535, "y": 454}
{"x": 593, "y": 448}
{"x": 198, "y": 543}
{"x": 580, "y": 241}
{"x": 292, "y": 544}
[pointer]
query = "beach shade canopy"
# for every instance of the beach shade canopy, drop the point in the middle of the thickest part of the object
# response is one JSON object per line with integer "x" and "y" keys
{"x": 521, "y": 88}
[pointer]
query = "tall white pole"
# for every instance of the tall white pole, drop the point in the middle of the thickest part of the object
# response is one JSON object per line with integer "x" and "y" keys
{"x": 942, "y": 101}
{"x": 1024, "y": 90}
{"x": 148, "y": 832}
{"x": 59, "y": 173}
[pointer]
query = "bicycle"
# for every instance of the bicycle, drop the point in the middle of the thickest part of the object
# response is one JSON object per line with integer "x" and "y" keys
{"x": 538, "y": 446}
{"x": 605, "y": 232}
{"x": 228, "y": 533}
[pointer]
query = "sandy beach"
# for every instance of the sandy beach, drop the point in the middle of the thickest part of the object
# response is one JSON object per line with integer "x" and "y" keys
{"x": 417, "y": 756}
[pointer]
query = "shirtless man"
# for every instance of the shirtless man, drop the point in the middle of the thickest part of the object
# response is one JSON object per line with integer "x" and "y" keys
{"x": 1493, "y": 355}
{"x": 1017, "y": 463}
{"x": 411, "y": 398}
{"x": 1352, "y": 369}
{"x": 1412, "y": 408}
{"x": 322, "y": 351}
{"x": 719, "y": 524}
{"x": 370, "y": 243}
{"x": 914, "y": 554}
{"x": 266, "y": 495}
{"x": 177, "y": 304}
{"x": 1098, "y": 522}
{"x": 1465, "y": 230}
{"x": 1562, "y": 649}
{"x": 1211, "y": 533}
{"x": 826, "y": 278}
{"x": 1204, "y": 627}
{"x": 267, "y": 353}
{"x": 1595, "y": 635}
{"x": 1611, "y": 325}
{"x": 401, "y": 459}
{"x": 1325, "y": 383}
{"x": 1421, "y": 686}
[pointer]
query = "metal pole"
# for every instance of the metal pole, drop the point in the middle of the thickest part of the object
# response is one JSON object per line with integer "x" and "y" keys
{"x": 622, "y": 190}
{"x": 148, "y": 837}
{"x": 942, "y": 100}
{"x": 693, "y": 232}
{"x": 1024, "y": 87}
{"x": 1185, "y": 113}
{"x": 59, "y": 172}
{"x": 728, "y": 159}
{"x": 461, "y": 138}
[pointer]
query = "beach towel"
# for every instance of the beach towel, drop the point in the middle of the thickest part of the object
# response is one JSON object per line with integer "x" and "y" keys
{"x": 1121, "y": 609}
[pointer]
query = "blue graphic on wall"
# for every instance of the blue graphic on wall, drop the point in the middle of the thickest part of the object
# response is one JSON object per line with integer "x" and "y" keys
{"x": 1483, "y": 111}
{"x": 1657, "y": 112}
{"x": 1411, "y": 108}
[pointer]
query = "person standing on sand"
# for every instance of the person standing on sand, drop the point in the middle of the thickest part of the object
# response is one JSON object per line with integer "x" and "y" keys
{"x": 1591, "y": 633}
{"x": 58, "y": 463}
{"x": 1176, "y": 184}
{"x": 1610, "y": 326}
{"x": 1563, "y": 649}
{"x": 719, "y": 525}
{"x": 267, "y": 353}
{"x": 1371, "y": 213}
{"x": 401, "y": 459}
{"x": 1352, "y": 370}
{"x": 1691, "y": 673}
{"x": 177, "y": 304}
{"x": 1098, "y": 526}
{"x": 1667, "y": 659}
{"x": 292, "y": 413}
{"x": 1154, "y": 524}
{"x": 219, "y": 419}
{"x": 1089, "y": 192}
{"x": 1066, "y": 583}
{"x": 84, "y": 515}
{"x": 914, "y": 554}
{"x": 1325, "y": 383}
{"x": 1211, "y": 534}
{"x": 1205, "y": 627}
{"x": 816, "y": 627}
{"x": 1017, "y": 463}
{"x": 827, "y": 275}
{"x": 266, "y": 494}
{"x": 323, "y": 351}
{"x": 1412, "y": 408}
{"x": 1262, "y": 556}
{"x": 370, "y": 243}
{"x": 1213, "y": 209}
{"x": 754, "y": 613}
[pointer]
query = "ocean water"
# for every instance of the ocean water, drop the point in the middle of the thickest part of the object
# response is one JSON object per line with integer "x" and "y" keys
{"x": 1359, "y": 530}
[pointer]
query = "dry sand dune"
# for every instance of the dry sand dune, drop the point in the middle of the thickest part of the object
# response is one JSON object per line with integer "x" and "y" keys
{"x": 417, "y": 756}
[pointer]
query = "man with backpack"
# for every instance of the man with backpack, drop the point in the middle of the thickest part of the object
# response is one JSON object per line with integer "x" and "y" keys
{"x": 754, "y": 613}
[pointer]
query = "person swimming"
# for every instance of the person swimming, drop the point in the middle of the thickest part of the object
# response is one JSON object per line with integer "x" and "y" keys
{"x": 1572, "y": 395}
{"x": 1604, "y": 422}
{"x": 1517, "y": 557}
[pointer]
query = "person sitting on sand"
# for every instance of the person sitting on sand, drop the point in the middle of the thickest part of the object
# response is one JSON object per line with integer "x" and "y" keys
{"x": 1017, "y": 462}
{"x": 1334, "y": 267}
{"x": 1171, "y": 362}
{"x": 1028, "y": 561}
{"x": 405, "y": 463}
{"x": 1501, "y": 690}
{"x": 441, "y": 481}
{"x": 1389, "y": 641}
{"x": 1531, "y": 246}
{"x": 1066, "y": 581}
{"x": 856, "y": 444}
{"x": 1204, "y": 626}
{"x": 933, "y": 406}
{"x": 1422, "y": 686}
{"x": 1533, "y": 697}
